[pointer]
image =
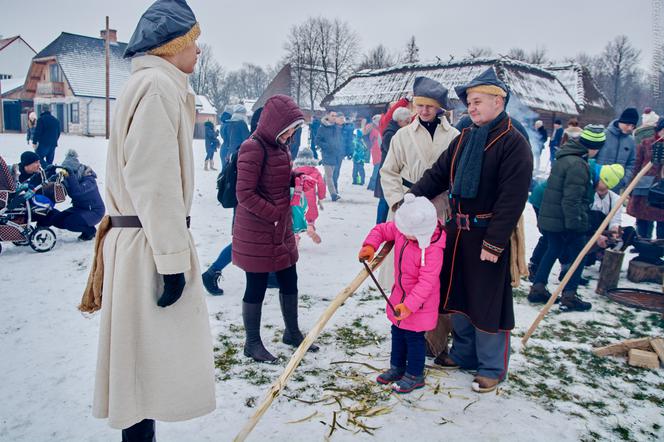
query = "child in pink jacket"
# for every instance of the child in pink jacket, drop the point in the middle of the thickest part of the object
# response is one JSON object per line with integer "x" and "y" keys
{"x": 306, "y": 164}
{"x": 419, "y": 241}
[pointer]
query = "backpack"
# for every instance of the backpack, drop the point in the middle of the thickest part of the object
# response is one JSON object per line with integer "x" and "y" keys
{"x": 227, "y": 178}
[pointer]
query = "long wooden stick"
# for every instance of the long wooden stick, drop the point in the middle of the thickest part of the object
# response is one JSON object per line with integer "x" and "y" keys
{"x": 584, "y": 252}
{"x": 295, "y": 360}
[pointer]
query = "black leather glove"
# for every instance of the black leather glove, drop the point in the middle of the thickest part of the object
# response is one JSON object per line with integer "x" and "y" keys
{"x": 173, "y": 287}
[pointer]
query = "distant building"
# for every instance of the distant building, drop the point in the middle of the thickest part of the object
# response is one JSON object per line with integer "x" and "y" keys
{"x": 15, "y": 56}
{"x": 205, "y": 111}
{"x": 285, "y": 83}
{"x": 537, "y": 93}
{"x": 68, "y": 76}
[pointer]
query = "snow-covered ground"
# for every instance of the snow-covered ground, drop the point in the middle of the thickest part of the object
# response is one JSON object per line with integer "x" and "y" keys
{"x": 557, "y": 390}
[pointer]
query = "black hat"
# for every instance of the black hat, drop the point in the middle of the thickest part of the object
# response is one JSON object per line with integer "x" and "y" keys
{"x": 428, "y": 91}
{"x": 660, "y": 125}
{"x": 558, "y": 121}
{"x": 487, "y": 82}
{"x": 28, "y": 157}
{"x": 629, "y": 116}
{"x": 165, "y": 22}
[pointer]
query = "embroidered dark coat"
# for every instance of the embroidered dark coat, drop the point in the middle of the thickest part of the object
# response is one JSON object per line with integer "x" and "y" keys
{"x": 480, "y": 289}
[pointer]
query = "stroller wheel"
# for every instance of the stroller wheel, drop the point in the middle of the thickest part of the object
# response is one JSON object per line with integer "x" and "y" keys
{"x": 21, "y": 243}
{"x": 42, "y": 239}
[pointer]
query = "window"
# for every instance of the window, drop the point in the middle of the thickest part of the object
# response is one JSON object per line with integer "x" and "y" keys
{"x": 73, "y": 113}
{"x": 55, "y": 73}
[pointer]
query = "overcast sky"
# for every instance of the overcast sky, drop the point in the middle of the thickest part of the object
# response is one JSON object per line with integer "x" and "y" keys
{"x": 255, "y": 30}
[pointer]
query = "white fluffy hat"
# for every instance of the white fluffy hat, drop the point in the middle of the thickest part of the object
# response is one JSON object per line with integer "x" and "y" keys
{"x": 417, "y": 217}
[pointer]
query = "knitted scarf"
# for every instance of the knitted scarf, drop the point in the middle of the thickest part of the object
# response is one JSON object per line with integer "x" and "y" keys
{"x": 469, "y": 170}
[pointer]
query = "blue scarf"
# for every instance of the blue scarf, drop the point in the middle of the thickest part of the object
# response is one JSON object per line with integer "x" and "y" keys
{"x": 469, "y": 170}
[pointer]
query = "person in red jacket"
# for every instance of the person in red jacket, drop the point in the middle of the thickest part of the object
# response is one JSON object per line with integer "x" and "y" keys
{"x": 263, "y": 239}
{"x": 306, "y": 164}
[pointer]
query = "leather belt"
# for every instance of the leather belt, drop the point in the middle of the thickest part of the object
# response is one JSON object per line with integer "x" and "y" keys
{"x": 465, "y": 221}
{"x": 132, "y": 221}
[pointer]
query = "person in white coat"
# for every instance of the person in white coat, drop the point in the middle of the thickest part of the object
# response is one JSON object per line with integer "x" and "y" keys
{"x": 413, "y": 150}
{"x": 155, "y": 357}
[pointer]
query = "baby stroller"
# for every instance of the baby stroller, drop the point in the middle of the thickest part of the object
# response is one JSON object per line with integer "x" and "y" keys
{"x": 17, "y": 219}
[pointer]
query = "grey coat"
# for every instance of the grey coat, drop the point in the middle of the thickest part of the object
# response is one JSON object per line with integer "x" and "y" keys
{"x": 618, "y": 149}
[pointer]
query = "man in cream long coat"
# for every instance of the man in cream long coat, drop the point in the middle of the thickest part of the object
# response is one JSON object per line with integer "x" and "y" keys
{"x": 154, "y": 362}
{"x": 413, "y": 150}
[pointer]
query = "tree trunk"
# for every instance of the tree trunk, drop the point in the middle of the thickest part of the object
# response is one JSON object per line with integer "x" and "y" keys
{"x": 609, "y": 271}
{"x": 640, "y": 271}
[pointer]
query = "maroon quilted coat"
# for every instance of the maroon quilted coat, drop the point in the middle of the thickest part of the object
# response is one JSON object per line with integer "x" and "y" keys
{"x": 263, "y": 239}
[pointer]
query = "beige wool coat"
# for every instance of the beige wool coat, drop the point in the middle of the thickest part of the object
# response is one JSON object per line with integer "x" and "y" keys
{"x": 153, "y": 362}
{"x": 412, "y": 152}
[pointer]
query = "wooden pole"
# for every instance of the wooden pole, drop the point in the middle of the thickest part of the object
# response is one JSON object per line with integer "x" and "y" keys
{"x": 583, "y": 253}
{"x": 108, "y": 79}
{"x": 295, "y": 360}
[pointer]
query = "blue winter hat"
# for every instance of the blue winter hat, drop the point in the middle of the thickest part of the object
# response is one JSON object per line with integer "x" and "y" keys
{"x": 486, "y": 78}
{"x": 428, "y": 91}
{"x": 168, "y": 25}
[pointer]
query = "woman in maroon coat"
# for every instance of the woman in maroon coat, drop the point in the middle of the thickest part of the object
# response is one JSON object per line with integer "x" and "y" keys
{"x": 263, "y": 239}
{"x": 638, "y": 207}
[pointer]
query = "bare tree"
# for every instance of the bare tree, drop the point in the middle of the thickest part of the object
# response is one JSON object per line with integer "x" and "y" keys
{"x": 517, "y": 54}
{"x": 618, "y": 70}
{"x": 322, "y": 54}
{"x": 377, "y": 58}
{"x": 208, "y": 78}
{"x": 412, "y": 52}
{"x": 480, "y": 52}
{"x": 538, "y": 56}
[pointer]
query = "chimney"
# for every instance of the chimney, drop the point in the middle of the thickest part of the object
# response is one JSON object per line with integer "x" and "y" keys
{"x": 112, "y": 35}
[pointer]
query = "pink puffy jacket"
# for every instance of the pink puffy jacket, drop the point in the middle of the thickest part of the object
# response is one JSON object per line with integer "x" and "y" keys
{"x": 416, "y": 286}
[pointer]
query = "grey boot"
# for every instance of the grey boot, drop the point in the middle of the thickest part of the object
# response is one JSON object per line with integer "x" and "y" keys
{"x": 292, "y": 334}
{"x": 253, "y": 346}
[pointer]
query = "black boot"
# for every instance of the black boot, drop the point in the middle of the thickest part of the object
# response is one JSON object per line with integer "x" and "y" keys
{"x": 292, "y": 334}
{"x": 538, "y": 294}
{"x": 571, "y": 302}
{"x": 253, "y": 346}
{"x": 211, "y": 283}
{"x": 140, "y": 432}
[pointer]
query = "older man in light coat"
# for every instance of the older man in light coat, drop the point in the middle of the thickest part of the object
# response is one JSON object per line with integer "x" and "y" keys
{"x": 155, "y": 356}
{"x": 413, "y": 150}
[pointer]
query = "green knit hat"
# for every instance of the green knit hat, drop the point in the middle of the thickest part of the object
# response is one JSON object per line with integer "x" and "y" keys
{"x": 593, "y": 136}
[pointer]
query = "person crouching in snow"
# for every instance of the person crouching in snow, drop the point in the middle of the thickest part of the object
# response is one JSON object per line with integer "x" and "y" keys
{"x": 306, "y": 165}
{"x": 419, "y": 242}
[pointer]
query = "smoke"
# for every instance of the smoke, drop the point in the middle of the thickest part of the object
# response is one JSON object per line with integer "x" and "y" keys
{"x": 525, "y": 116}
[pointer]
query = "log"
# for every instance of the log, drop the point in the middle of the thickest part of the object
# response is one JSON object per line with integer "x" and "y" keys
{"x": 643, "y": 359}
{"x": 297, "y": 357}
{"x": 622, "y": 348}
{"x": 609, "y": 271}
{"x": 658, "y": 346}
{"x": 639, "y": 271}
{"x": 582, "y": 255}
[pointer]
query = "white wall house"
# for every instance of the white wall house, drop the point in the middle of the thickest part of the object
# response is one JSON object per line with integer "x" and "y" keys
{"x": 68, "y": 76}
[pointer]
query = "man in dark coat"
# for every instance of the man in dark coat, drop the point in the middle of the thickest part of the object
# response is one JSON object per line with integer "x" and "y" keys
{"x": 564, "y": 214}
{"x": 45, "y": 138}
{"x": 487, "y": 170}
{"x": 234, "y": 132}
{"x": 556, "y": 139}
{"x": 329, "y": 141}
{"x": 263, "y": 238}
{"x": 620, "y": 147}
{"x": 313, "y": 131}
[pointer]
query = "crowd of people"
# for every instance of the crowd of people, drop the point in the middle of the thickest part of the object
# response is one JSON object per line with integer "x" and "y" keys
{"x": 450, "y": 197}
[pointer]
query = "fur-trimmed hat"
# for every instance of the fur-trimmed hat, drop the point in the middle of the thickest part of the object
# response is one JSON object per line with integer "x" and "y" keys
{"x": 431, "y": 92}
{"x": 305, "y": 157}
{"x": 487, "y": 83}
{"x": 165, "y": 28}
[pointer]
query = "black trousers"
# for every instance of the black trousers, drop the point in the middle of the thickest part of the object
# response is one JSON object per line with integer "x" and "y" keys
{"x": 140, "y": 432}
{"x": 254, "y": 293}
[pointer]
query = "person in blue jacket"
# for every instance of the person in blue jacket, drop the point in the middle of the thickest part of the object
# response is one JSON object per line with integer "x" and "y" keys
{"x": 87, "y": 207}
